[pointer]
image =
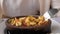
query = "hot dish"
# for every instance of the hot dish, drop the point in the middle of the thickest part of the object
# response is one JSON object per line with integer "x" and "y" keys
{"x": 28, "y": 22}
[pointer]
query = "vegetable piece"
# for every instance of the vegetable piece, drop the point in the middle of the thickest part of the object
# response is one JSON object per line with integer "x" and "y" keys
{"x": 32, "y": 23}
{"x": 41, "y": 18}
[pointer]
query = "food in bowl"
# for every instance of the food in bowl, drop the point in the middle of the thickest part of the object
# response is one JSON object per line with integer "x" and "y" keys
{"x": 27, "y": 21}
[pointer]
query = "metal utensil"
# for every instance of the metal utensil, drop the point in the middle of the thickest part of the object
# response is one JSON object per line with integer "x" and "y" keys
{"x": 50, "y": 14}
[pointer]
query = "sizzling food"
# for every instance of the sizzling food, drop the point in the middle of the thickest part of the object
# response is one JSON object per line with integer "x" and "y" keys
{"x": 27, "y": 21}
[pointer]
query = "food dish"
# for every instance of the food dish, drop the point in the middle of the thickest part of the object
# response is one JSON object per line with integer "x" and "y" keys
{"x": 55, "y": 26}
{"x": 30, "y": 23}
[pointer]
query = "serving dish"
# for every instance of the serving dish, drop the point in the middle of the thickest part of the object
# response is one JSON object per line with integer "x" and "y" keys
{"x": 46, "y": 27}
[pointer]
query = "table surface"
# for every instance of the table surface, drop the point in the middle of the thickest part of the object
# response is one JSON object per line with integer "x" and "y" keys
{"x": 55, "y": 27}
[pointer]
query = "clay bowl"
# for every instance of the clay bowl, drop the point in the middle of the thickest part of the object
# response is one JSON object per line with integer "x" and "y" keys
{"x": 43, "y": 27}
